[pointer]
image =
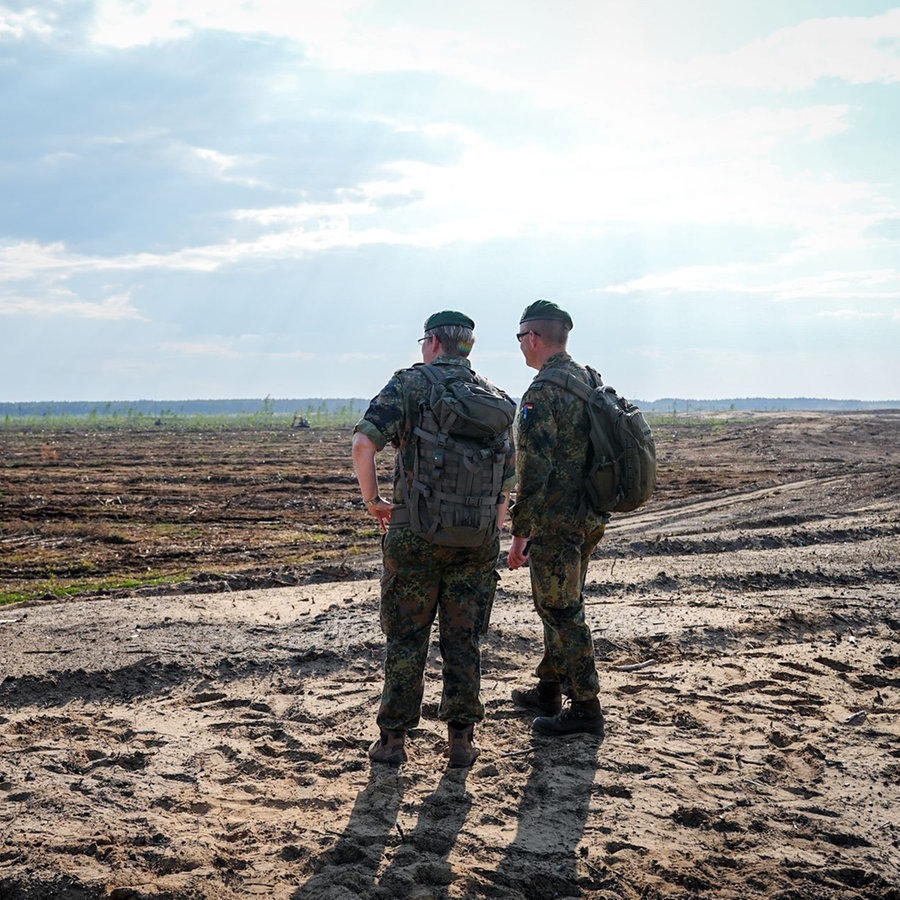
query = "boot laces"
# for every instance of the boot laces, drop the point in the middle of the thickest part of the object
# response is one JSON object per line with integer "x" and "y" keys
{"x": 573, "y": 711}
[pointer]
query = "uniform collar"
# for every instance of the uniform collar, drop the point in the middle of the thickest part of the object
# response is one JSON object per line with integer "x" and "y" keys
{"x": 556, "y": 360}
{"x": 451, "y": 361}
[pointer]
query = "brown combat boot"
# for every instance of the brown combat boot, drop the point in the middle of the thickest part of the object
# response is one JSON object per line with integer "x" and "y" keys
{"x": 579, "y": 717}
{"x": 544, "y": 698}
{"x": 389, "y": 748}
{"x": 463, "y": 749}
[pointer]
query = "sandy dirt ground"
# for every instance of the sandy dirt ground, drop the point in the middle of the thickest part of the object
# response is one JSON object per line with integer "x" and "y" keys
{"x": 174, "y": 744}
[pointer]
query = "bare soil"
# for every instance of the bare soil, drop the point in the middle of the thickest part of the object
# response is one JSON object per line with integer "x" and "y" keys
{"x": 93, "y": 510}
{"x": 202, "y": 734}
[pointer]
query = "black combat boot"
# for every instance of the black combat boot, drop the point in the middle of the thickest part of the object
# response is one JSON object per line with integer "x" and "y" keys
{"x": 544, "y": 698}
{"x": 579, "y": 717}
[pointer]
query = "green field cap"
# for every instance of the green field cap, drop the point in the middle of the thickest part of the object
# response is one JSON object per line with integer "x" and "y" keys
{"x": 448, "y": 317}
{"x": 545, "y": 309}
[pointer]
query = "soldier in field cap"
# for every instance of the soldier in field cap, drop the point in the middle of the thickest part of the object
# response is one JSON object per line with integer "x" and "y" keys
{"x": 543, "y": 310}
{"x": 553, "y": 528}
{"x": 423, "y": 579}
{"x": 448, "y": 317}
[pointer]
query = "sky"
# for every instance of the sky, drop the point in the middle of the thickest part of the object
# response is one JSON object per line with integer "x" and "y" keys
{"x": 209, "y": 199}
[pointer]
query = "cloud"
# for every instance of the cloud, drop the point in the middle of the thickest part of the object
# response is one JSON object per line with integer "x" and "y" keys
{"x": 745, "y": 279}
{"x": 230, "y": 347}
{"x": 282, "y": 169}
{"x": 19, "y": 26}
{"x": 857, "y": 50}
{"x": 345, "y": 358}
{"x": 62, "y": 304}
{"x": 853, "y": 314}
{"x": 222, "y": 164}
{"x": 123, "y": 24}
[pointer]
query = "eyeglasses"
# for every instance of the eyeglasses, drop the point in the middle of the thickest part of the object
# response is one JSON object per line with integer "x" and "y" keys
{"x": 427, "y": 337}
{"x": 522, "y": 334}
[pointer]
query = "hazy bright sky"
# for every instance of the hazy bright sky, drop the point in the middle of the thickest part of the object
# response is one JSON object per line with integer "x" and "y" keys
{"x": 213, "y": 199}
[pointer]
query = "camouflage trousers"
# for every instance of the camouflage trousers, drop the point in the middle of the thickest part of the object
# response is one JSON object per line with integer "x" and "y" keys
{"x": 421, "y": 581}
{"x": 558, "y": 567}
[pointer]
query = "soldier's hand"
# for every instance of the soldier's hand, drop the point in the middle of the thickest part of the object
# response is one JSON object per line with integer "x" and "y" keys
{"x": 382, "y": 510}
{"x": 518, "y": 552}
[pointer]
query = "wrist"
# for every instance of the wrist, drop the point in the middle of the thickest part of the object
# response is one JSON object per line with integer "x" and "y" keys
{"x": 373, "y": 501}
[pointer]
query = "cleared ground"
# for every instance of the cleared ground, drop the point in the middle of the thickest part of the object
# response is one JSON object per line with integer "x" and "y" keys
{"x": 208, "y": 739}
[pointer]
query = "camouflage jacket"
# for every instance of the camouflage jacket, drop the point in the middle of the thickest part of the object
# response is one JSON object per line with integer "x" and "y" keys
{"x": 394, "y": 413}
{"x": 552, "y": 445}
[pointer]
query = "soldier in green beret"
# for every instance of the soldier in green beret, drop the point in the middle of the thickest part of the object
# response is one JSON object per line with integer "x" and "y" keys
{"x": 553, "y": 528}
{"x": 422, "y": 579}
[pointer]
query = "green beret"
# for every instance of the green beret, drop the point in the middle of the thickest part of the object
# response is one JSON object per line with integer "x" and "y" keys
{"x": 448, "y": 317}
{"x": 545, "y": 309}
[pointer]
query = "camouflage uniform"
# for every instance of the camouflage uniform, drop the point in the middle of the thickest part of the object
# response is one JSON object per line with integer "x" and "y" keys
{"x": 422, "y": 580}
{"x": 550, "y": 511}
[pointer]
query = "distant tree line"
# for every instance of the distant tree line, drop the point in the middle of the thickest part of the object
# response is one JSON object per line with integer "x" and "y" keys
{"x": 763, "y": 404}
{"x": 313, "y": 407}
{"x": 349, "y": 409}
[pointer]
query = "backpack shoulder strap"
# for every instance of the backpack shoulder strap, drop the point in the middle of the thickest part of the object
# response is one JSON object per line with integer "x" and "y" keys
{"x": 430, "y": 372}
{"x": 598, "y": 441}
{"x": 567, "y": 382}
{"x": 595, "y": 377}
{"x": 435, "y": 374}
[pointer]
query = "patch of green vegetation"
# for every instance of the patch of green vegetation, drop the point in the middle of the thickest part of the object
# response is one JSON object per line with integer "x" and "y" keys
{"x": 174, "y": 530}
{"x": 312, "y": 536}
{"x": 365, "y": 550}
{"x": 713, "y": 419}
{"x": 666, "y": 423}
{"x": 263, "y": 420}
{"x": 59, "y": 590}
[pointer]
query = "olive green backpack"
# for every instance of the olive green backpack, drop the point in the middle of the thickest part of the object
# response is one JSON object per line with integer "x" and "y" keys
{"x": 462, "y": 442}
{"x": 621, "y": 473}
